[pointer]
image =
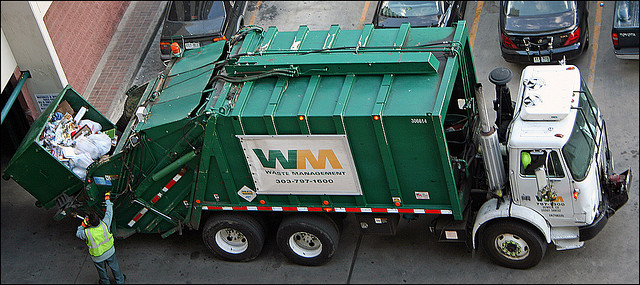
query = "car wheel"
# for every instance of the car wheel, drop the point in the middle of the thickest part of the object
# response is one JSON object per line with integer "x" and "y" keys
{"x": 235, "y": 237}
{"x": 308, "y": 239}
{"x": 513, "y": 244}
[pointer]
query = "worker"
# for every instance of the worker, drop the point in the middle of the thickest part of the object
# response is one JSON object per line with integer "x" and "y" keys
{"x": 100, "y": 242}
{"x": 530, "y": 162}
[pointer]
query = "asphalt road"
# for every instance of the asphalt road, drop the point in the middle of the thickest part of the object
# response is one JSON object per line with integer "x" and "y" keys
{"x": 36, "y": 249}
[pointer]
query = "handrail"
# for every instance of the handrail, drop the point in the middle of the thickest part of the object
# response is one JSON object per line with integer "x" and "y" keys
{"x": 12, "y": 98}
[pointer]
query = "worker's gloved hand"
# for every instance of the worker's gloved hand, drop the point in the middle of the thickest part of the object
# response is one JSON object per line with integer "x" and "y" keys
{"x": 107, "y": 196}
{"x": 85, "y": 222}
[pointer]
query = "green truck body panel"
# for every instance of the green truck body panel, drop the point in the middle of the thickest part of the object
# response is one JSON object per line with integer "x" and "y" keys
{"x": 389, "y": 93}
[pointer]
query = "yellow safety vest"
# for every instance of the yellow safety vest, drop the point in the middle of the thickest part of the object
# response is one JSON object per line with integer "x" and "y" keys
{"x": 99, "y": 239}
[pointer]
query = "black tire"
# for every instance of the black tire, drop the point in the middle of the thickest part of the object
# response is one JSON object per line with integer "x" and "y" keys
{"x": 308, "y": 239}
{"x": 513, "y": 244}
{"x": 234, "y": 237}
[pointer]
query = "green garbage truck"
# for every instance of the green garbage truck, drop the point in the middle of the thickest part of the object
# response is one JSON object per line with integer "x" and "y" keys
{"x": 307, "y": 127}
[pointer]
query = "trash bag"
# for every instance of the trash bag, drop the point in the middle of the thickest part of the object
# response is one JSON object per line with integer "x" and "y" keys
{"x": 95, "y": 127}
{"x": 82, "y": 173}
{"x": 85, "y": 145}
{"x": 102, "y": 141}
{"x": 81, "y": 160}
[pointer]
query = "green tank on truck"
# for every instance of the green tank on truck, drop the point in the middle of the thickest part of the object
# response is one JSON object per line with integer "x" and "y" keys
{"x": 302, "y": 128}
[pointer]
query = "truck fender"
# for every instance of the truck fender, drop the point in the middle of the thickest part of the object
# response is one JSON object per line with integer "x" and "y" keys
{"x": 507, "y": 209}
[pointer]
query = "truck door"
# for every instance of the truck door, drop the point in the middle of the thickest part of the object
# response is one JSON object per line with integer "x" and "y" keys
{"x": 555, "y": 201}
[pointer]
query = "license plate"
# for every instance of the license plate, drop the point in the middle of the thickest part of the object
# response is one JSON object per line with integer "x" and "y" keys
{"x": 544, "y": 58}
{"x": 191, "y": 45}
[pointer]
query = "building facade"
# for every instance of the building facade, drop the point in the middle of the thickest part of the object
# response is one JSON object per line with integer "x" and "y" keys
{"x": 57, "y": 43}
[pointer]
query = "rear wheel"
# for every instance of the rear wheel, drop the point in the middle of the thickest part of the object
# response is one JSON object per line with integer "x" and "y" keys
{"x": 235, "y": 237}
{"x": 308, "y": 239}
{"x": 513, "y": 244}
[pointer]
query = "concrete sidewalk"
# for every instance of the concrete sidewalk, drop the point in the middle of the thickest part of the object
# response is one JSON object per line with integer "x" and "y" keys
{"x": 124, "y": 55}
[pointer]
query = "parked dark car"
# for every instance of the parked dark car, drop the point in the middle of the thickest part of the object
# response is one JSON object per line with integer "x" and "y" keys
{"x": 391, "y": 14}
{"x": 625, "y": 31}
{"x": 543, "y": 31}
{"x": 193, "y": 24}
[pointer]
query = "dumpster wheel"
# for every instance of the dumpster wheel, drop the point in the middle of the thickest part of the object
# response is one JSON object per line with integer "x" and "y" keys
{"x": 235, "y": 237}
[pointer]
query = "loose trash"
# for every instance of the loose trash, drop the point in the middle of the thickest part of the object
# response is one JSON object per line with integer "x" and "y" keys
{"x": 74, "y": 141}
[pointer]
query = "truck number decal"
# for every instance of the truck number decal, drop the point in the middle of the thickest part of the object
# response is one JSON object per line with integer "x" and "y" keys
{"x": 419, "y": 121}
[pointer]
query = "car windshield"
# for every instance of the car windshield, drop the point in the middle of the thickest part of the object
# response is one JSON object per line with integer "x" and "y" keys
{"x": 538, "y": 8}
{"x": 185, "y": 11}
{"x": 626, "y": 14}
{"x": 401, "y": 9}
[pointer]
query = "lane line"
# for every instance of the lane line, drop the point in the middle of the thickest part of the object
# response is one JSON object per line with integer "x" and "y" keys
{"x": 364, "y": 14}
{"x": 474, "y": 26}
{"x": 594, "y": 43}
{"x": 255, "y": 12}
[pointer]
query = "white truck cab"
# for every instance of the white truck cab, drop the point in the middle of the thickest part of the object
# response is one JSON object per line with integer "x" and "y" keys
{"x": 560, "y": 171}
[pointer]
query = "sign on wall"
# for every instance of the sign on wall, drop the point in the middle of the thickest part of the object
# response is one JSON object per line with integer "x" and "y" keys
{"x": 301, "y": 164}
{"x": 44, "y": 100}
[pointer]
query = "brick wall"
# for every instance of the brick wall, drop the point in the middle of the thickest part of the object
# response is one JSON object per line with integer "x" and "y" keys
{"x": 81, "y": 31}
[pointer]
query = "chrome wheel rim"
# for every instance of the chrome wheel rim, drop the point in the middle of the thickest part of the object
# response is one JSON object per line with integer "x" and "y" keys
{"x": 305, "y": 244}
{"x": 231, "y": 241}
{"x": 512, "y": 246}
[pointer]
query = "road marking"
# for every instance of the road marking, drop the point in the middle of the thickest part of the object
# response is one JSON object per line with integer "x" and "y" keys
{"x": 594, "y": 44}
{"x": 255, "y": 12}
{"x": 474, "y": 26}
{"x": 364, "y": 14}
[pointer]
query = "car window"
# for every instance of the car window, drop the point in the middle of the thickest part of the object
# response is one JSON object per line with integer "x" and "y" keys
{"x": 536, "y": 8}
{"x": 185, "y": 11}
{"x": 410, "y": 8}
{"x": 626, "y": 14}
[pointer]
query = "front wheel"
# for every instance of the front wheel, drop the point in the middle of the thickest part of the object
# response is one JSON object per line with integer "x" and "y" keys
{"x": 308, "y": 239}
{"x": 235, "y": 237}
{"x": 514, "y": 245}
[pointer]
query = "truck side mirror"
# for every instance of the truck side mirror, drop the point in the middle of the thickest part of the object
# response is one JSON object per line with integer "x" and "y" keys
{"x": 541, "y": 177}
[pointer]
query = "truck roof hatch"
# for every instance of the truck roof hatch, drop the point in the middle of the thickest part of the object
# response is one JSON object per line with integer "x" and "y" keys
{"x": 547, "y": 96}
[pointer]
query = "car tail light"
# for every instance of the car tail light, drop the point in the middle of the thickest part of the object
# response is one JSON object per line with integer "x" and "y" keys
{"x": 506, "y": 41}
{"x": 573, "y": 37}
{"x": 165, "y": 47}
{"x": 223, "y": 38}
{"x": 614, "y": 37}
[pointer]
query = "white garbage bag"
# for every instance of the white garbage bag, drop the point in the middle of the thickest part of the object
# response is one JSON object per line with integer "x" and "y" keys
{"x": 82, "y": 173}
{"x": 85, "y": 145}
{"x": 81, "y": 160}
{"x": 102, "y": 141}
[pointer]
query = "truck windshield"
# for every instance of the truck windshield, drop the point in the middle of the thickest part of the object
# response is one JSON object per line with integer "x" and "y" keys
{"x": 579, "y": 149}
{"x": 589, "y": 108}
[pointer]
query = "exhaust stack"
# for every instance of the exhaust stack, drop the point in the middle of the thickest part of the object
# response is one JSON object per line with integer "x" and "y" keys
{"x": 494, "y": 167}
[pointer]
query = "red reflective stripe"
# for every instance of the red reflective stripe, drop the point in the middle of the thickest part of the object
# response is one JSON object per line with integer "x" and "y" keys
{"x": 170, "y": 184}
{"x": 137, "y": 217}
{"x": 155, "y": 199}
{"x": 405, "y": 211}
{"x": 433, "y": 211}
{"x": 320, "y": 209}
